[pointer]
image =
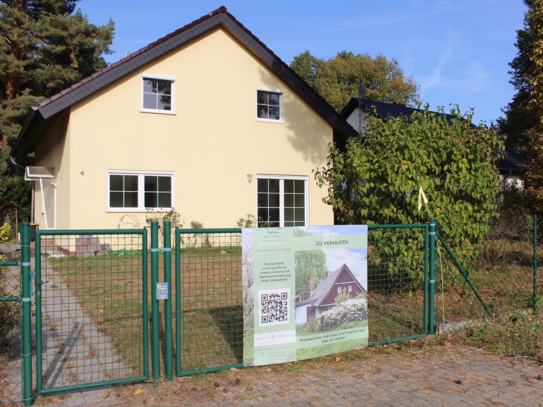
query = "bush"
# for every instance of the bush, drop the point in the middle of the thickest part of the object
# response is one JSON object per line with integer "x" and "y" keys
{"x": 376, "y": 180}
{"x": 9, "y": 311}
{"x": 355, "y": 310}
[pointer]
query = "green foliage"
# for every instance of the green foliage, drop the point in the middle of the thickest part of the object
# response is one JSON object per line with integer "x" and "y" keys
{"x": 377, "y": 179}
{"x": 45, "y": 48}
{"x": 9, "y": 311}
{"x": 247, "y": 222}
{"x": 308, "y": 263}
{"x": 194, "y": 224}
{"x": 519, "y": 118}
{"x": 344, "y": 296}
{"x": 5, "y": 232}
{"x": 337, "y": 79}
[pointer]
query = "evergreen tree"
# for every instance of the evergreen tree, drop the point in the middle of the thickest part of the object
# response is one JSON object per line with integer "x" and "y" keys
{"x": 46, "y": 46}
{"x": 337, "y": 79}
{"x": 519, "y": 119}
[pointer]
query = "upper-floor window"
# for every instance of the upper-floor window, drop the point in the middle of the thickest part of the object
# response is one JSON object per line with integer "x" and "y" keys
{"x": 269, "y": 105}
{"x": 158, "y": 94}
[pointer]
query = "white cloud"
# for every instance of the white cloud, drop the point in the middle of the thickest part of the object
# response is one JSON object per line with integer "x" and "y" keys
{"x": 444, "y": 57}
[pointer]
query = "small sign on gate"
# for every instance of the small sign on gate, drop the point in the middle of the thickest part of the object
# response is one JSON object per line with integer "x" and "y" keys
{"x": 162, "y": 291}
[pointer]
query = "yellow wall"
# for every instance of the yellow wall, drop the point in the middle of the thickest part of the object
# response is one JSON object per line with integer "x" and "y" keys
{"x": 211, "y": 143}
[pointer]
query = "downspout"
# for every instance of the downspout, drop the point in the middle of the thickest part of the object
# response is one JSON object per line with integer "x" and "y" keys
{"x": 32, "y": 200}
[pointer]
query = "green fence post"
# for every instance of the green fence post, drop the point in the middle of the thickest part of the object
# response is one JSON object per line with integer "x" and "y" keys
{"x": 27, "y": 315}
{"x": 426, "y": 280}
{"x": 168, "y": 302}
{"x": 154, "y": 303}
{"x": 177, "y": 302}
{"x": 535, "y": 264}
{"x": 432, "y": 277}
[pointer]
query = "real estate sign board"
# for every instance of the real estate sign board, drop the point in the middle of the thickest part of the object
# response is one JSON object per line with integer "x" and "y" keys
{"x": 304, "y": 292}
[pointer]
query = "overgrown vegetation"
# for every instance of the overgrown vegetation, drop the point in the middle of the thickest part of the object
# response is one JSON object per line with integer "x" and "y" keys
{"x": 377, "y": 179}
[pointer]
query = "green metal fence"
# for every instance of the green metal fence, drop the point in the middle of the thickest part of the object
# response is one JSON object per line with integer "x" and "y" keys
{"x": 91, "y": 308}
{"x": 501, "y": 266}
{"x": 209, "y": 293}
{"x": 11, "y": 383}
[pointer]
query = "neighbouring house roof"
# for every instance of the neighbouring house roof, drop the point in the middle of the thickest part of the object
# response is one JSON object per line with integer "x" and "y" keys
{"x": 513, "y": 160}
{"x": 326, "y": 286}
{"x": 40, "y": 118}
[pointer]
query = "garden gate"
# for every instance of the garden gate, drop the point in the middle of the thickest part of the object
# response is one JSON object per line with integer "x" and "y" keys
{"x": 91, "y": 308}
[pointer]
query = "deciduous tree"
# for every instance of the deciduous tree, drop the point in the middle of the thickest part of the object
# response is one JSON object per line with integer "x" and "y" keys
{"x": 337, "y": 79}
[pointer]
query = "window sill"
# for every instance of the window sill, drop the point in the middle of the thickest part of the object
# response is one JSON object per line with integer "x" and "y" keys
{"x": 137, "y": 210}
{"x": 168, "y": 112}
{"x": 270, "y": 121}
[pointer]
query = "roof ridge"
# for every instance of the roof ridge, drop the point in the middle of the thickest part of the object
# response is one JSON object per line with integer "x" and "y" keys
{"x": 127, "y": 58}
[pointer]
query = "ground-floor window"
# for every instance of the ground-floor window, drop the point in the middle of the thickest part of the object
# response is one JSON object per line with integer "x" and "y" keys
{"x": 282, "y": 201}
{"x": 138, "y": 191}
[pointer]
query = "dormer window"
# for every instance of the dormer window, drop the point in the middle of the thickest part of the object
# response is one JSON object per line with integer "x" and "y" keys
{"x": 269, "y": 105}
{"x": 158, "y": 94}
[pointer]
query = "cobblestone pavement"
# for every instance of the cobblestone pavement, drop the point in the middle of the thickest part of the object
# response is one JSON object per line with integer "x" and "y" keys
{"x": 447, "y": 376}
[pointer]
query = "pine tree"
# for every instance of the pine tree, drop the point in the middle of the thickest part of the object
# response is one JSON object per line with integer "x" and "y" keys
{"x": 534, "y": 17}
{"x": 519, "y": 119}
{"x": 46, "y": 46}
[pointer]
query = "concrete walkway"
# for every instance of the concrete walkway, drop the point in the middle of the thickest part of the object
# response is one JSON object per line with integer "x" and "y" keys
{"x": 74, "y": 350}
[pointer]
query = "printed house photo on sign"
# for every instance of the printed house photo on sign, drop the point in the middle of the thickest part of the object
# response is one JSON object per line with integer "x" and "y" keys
{"x": 304, "y": 292}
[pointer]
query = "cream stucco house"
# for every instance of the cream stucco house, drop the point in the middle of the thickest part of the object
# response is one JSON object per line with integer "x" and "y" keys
{"x": 206, "y": 120}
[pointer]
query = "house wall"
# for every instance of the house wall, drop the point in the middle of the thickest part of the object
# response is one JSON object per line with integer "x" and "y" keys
{"x": 53, "y": 150}
{"x": 301, "y": 314}
{"x": 354, "y": 119}
{"x": 211, "y": 143}
{"x": 509, "y": 180}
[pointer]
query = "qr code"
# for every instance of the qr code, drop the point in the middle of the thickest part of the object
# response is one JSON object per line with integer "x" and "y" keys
{"x": 274, "y": 307}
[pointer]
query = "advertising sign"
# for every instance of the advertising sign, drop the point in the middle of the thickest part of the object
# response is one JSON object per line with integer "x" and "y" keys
{"x": 304, "y": 292}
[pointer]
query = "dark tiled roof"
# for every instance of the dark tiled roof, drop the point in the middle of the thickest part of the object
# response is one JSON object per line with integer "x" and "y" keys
{"x": 513, "y": 160}
{"x": 383, "y": 109}
{"x": 220, "y": 17}
{"x": 324, "y": 287}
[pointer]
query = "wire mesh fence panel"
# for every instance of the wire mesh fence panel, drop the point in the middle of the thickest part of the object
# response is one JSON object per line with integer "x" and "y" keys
{"x": 11, "y": 385}
{"x": 92, "y": 317}
{"x": 396, "y": 283}
{"x": 499, "y": 260}
{"x": 210, "y": 325}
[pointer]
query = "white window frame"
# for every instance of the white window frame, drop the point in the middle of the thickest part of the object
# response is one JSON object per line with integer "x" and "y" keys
{"x": 141, "y": 190}
{"x": 282, "y": 178}
{"x": 160, "y": 78}
{"x": 339, "y": 290}
{"x": 350, "y": 288}
{"x": 281, "y": 93}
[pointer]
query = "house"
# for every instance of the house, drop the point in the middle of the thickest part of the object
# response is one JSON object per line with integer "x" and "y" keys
{"x": 511, "y": 168}
{"x": 206, "y": 120}
{"x": 322, "y": 299}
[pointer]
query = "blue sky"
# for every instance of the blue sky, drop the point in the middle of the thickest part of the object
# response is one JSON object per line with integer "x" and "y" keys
{"x": 458, "y": 51}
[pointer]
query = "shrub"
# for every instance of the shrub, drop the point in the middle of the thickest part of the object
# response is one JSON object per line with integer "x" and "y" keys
{"x": 247, "y": 222}
{"x": 355, "y": 310}
{"x": 9, "y": 311}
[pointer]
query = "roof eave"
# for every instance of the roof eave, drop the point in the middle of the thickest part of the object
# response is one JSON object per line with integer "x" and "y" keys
{"x": 32, "y": 124}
